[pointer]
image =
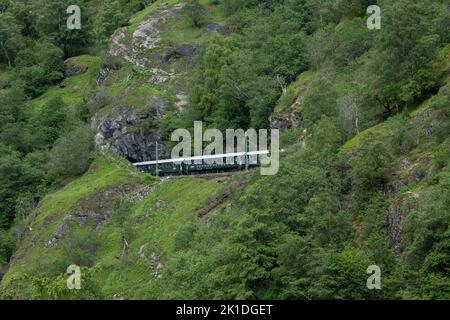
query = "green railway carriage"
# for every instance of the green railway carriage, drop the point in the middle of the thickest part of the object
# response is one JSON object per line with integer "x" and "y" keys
{"x": 202, "y": 164}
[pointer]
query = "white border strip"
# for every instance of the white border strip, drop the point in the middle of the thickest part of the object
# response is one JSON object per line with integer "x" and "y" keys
{"x": 214, "y": 156}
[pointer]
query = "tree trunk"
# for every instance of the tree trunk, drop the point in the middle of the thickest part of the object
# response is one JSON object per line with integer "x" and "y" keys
{"x": 6, "y": 54}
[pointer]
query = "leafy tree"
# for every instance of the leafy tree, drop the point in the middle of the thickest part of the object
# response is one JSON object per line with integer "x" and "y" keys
{"x": 195, "y": 12}
{"x": 9, "y": 38}
{"x": 112, "y": 15}
{"x": 25, "y": 14}
{"x": 52, "y": 24}
{"x": 319, "y": 101}
{"x": 404, "y": 50}
{"x": 352, "y": 41}
{"x": 4, "y": 4}
{"x": 70, "y": 155}
{"x": 47, "y": 125}
{"x": 38, "y": 67}
{"x": 12, "y": 102}
{"x": 369, "y": 174}
{"x": 344, "y": 275}
{"x": 17, "y": 176}
{"x": 6, "y": 249}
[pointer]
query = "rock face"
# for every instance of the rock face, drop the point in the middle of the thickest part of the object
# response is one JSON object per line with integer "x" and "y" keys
{"x": 73, "y": 69}
{"x": 408, "y": 172}
{"x": 394, "y": 226}
{"x": 153, "y": 262}
{"x": 186, "y": 51}
{"x": 134, "y": 134}
{"x": 95, "y": 211}
{"x": 145, "y": 37}
{"x": 290, "y": 117}
{"x": 282, "y": 121}
{"x": 216, "y": 27}
{"x": 122, "y": 136}
{"x": 182, "y": 102}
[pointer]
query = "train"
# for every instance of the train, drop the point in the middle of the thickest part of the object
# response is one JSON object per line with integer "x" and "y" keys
{"x": 202, "y": 164}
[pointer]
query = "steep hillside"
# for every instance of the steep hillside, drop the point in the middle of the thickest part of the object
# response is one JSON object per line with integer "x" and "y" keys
{"x": 143, "y": 81}
{"x": 117, "y": 224}
{"x": 364, "y": 178}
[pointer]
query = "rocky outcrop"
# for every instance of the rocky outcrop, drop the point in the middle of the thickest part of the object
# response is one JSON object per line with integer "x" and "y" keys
{"x": 95, "y": 211}
{"x": 216, "y": 27}
{"x": 408, "y": 172}
{"x": 146, "y": 36}
{"x": 284, "y": 121}
{"x": 182, "y": 101}
{"x": 73, "y": 69}
{"x": 290, "y": 117}
{"x": 153, "y": 261}
{"x": 122, "y": 135}
{"x": 394, "y": 225}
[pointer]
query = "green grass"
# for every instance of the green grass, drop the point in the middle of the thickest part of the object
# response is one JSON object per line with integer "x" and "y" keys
{"x": 153, "y": 222}
{"x": 381, "y": 130}
{"x": 153, "y": 227}
{"x": 182, "y": 199}
{"x": 137, "y": 18}
{"x": 445, "y": 55}
{"x": 103, "y": 174}
{"x": 135, "y": 90}
{"x": 420, "y": 108}
{"x": 76, "y": 87}
{"x": 291, "y": 94}
{"x": 4, "y": 77}
{"x": 181, "y": 31}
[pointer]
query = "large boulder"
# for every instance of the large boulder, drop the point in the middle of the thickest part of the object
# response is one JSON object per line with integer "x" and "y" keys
{"x": 146, "y": 37}
{"x": 122, "y": 135}
{"x": 72, "y": 68}
{"x": 216, "y": 27}
{"x": 283, "y": 121}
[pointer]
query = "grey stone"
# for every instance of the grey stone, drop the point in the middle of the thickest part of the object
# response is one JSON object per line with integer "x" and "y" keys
{"x": 285, "y": 121}
{"x": 186, "y": 50}
{"x": 216, "y": 27}
{"x": 73, "y": 69}
{"x": 123, "y": 137}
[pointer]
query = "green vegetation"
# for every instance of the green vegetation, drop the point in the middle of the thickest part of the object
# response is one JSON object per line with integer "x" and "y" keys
{"x": 288, "y": 98}
{"x": 151, "y": 222}
{"x": 364, "y": 179}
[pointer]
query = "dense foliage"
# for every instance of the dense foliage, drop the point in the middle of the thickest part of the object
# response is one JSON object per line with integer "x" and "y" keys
{"x": 309, "y": 232}
{"x": 35, "y": 139}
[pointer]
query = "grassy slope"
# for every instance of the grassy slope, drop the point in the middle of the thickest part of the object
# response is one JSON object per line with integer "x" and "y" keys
{"x": 153, "y": 221}
{"x": 292, "y": 92}
{"x": 131, "y": 85}
{"x": 74, "y": 88}
{"x": 152, "y": 226}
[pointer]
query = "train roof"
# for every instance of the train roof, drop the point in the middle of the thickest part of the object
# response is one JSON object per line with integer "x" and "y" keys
{"x": 208, "y": 157}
